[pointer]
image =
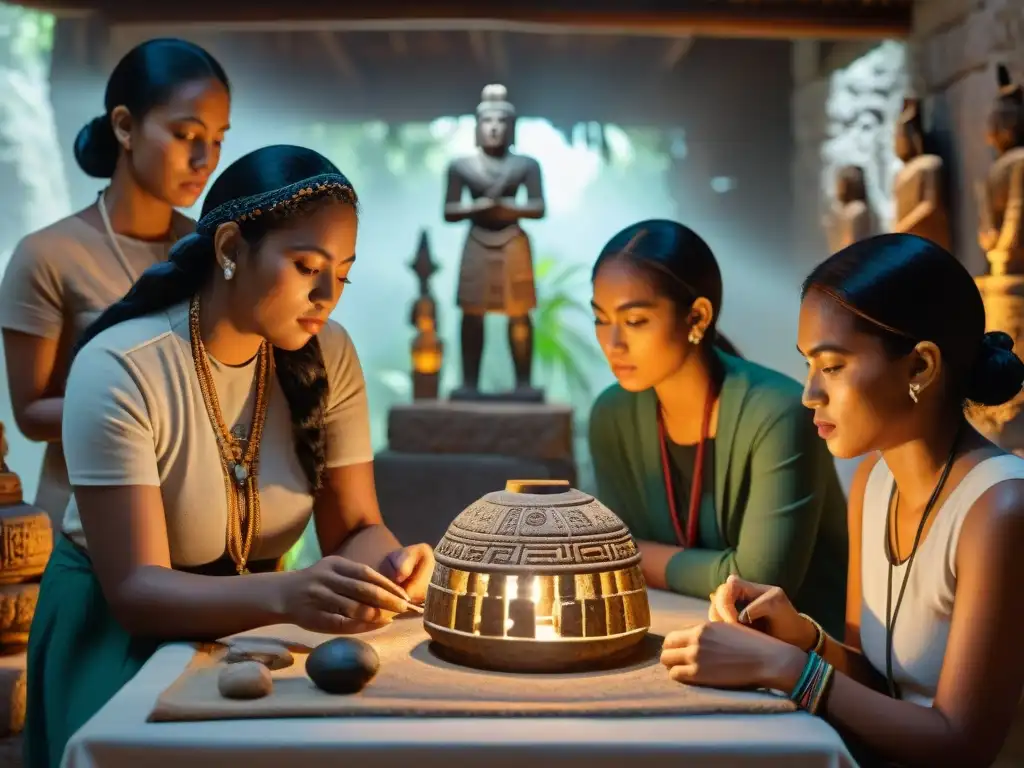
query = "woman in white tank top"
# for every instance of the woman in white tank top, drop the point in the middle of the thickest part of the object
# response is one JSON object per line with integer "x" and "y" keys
{"x": 930, "y": 674}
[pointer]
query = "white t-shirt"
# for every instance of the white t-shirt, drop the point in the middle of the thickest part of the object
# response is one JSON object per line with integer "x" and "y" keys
{"x": 134, "y": 415}
{"x": 57, "y": 282}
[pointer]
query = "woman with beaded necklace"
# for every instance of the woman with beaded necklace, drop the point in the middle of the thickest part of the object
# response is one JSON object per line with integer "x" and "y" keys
{"x": 210, "y": 413}
{"x": 930, "y": 673}
{"x": 158, "y": 141}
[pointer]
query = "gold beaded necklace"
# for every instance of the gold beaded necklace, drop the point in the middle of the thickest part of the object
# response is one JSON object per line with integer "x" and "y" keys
{"x": 240, "y": 466}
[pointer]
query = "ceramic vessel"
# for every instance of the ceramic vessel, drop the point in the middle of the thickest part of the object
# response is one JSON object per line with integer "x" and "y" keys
{"x": 538, "y": 577}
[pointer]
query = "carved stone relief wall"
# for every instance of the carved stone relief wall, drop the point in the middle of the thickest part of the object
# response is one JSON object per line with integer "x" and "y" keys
{"x": 953, "y": 55}
{"x": 846, "y": 100}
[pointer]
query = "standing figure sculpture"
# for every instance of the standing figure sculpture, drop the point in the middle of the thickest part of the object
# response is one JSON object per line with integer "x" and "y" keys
{"x": 496, "y": 274}
{"x": 919, "y": 188}
{"x": 1000, "y": 199}
{"x": 850, "y": 219}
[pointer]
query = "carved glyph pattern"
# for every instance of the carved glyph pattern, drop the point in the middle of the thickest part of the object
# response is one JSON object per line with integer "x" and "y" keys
{"x": 17, "y": 607}
{"x": 26, "y": 540}
{"x": 517, "y": 531}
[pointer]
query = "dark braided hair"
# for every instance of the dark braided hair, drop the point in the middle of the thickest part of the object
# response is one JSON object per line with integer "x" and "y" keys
{"x": 281, "y": 182}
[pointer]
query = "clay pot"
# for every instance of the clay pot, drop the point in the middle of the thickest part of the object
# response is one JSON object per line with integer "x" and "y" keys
{"x": 538, "y": 577}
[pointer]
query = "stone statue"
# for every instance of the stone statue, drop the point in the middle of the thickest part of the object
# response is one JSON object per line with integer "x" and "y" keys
{"x": 1000, "y": 202}
{"x": 850, "y": 219}
{"x": 496, "y": 274}
{"x": 919, "y": 188}
{"x": 1000, "y": 199}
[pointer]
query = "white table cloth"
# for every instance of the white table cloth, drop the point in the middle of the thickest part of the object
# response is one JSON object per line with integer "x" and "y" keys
{"x": 118, "y": 736}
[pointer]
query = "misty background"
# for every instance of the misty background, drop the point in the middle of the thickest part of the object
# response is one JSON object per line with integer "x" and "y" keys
{"x": 729, "y": 181}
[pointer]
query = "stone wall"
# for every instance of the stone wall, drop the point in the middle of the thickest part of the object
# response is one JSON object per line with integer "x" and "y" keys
{"x": 845, "y": 102}
{"x": 952, "y": 57}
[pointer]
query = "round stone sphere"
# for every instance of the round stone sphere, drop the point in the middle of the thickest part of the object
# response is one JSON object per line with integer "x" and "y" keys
{"x": 245, "y": 680}
{"x": 343, "y": 665}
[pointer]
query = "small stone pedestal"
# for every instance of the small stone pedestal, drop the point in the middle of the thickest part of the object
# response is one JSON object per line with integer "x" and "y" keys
{"x": 443, "y": 456}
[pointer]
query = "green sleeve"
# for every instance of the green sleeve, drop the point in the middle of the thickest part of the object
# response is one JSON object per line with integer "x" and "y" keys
{"x": 608, "y": 457}
{"x": 776, "y": 540}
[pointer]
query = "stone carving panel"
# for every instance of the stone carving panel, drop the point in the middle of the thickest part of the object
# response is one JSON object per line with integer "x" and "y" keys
{"x": 863, "y": 103}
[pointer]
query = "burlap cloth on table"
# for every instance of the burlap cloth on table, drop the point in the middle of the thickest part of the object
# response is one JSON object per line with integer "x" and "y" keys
{"x": 413, "y": 682}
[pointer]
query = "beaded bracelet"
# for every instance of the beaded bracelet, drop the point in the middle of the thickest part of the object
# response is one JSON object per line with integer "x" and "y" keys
{"x": 819, "y": 642}
{"x": 810, "y": 690}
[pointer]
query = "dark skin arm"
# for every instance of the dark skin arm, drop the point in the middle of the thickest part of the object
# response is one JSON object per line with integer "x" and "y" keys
{"x": 983, "y": 670}
{"x": 349, "y": 523}
{"x": 35, "y": 378}
{"x": 127, "y": 534}
{"x": 655, "y": 560}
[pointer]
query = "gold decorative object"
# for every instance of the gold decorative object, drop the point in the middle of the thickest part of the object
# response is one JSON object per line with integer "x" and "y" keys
{"x": 538, "y": 577}
{"x": 427, "y": 348}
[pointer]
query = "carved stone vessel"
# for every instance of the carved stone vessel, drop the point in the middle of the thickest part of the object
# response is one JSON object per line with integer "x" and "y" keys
{"x": 539, "y": 577}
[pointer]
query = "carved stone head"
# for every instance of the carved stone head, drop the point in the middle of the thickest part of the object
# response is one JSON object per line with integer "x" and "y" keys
{"x": 850, "y": 185}
{"x": 495, "y": 119}
{"x": 909, "y": 131}
{"x": 1006, "y": 120}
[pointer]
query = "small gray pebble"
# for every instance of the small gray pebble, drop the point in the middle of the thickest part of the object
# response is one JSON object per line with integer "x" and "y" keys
{"x": 245, "y": 680}
{"x": 342, "y": 665}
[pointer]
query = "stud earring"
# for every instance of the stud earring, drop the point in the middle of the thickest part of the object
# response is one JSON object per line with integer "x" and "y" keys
{"x": 229, "y": 270}
{"x": 915, "y": 391}
{"x": 695, "y": 336}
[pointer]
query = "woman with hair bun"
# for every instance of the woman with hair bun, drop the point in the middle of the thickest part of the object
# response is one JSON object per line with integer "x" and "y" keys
{"x": 930, "y": 671}
{"x": 166, "y": 110}
{"x": 211, "y": 413}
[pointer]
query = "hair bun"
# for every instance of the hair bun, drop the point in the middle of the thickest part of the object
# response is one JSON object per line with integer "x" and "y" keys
{"x": 998, "y": 374}
{"x": 96, "y": 148}
{"x": 998, "y": 339}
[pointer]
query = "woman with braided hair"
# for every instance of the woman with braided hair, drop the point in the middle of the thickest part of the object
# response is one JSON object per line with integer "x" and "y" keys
{"x": 209, "y": 414}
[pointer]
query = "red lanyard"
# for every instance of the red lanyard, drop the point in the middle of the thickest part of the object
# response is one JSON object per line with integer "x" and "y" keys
{"x": 696, "y": 484}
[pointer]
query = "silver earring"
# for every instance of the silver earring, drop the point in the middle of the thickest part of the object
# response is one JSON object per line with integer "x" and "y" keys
{"x": 695, "y": 336}
{"x": 915, "y": 391}
{"x": 229, "y": 270}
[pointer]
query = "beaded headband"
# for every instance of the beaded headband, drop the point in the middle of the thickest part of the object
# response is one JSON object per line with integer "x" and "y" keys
{"x": 277, "y": 200}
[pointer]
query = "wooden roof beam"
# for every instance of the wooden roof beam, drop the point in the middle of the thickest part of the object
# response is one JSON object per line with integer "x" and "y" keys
{"x": 336, "y": 52}
{"x": 779, "y": 19}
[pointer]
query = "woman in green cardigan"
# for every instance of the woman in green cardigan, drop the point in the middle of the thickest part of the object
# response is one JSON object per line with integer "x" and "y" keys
{"x": 711, "y": 460}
